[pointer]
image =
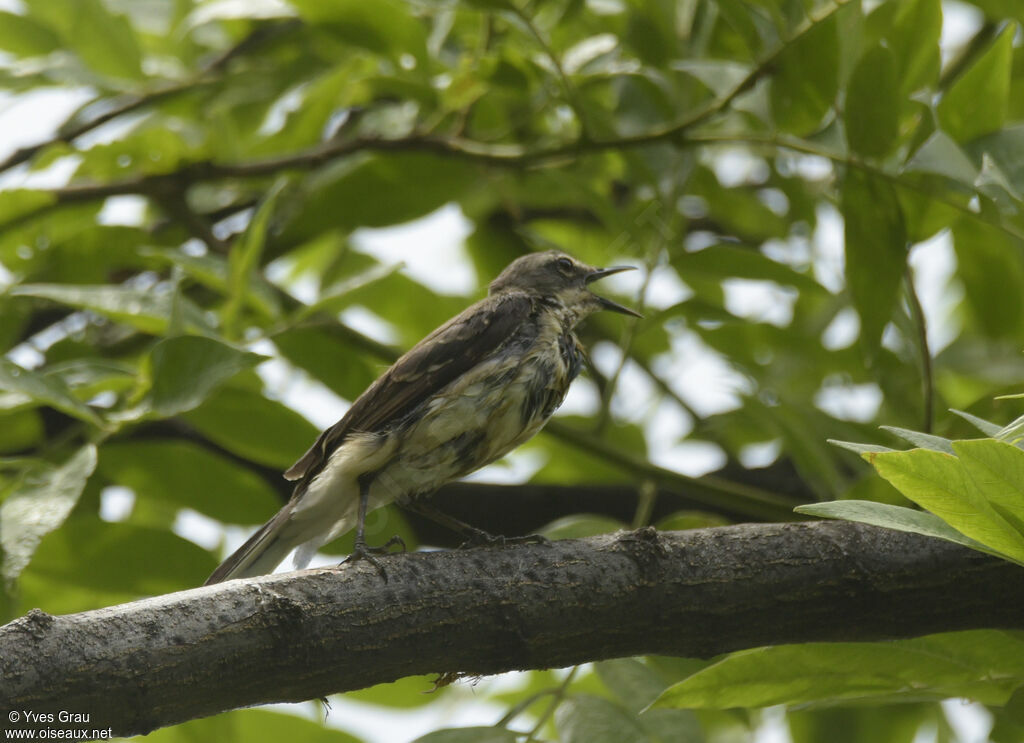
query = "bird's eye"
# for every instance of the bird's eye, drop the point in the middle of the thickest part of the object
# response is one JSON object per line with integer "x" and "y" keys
{"x": 564, "y": 265}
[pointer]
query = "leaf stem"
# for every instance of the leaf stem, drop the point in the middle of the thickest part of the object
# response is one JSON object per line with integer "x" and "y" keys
{"x": 558, "y": 696}
{"x": 927, "y": 379}
{"x": 571, "y": 95}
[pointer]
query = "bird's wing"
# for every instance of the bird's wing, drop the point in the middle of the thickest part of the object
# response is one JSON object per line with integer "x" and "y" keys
{"x": 425, "y": 370}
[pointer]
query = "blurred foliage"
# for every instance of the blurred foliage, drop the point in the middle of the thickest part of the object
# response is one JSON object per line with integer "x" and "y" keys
{"x": 724, "y": 145}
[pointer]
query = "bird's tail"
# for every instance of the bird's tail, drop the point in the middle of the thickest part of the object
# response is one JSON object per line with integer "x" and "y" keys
{"x": 261, "y": 553}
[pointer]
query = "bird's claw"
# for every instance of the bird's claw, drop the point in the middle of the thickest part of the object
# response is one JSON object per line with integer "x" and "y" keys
{"x": 362, "y": 551}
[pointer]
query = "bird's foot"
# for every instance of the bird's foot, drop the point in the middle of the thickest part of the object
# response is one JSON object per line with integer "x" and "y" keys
{"x": 480, "y": 538}
{"x": 362, "y": 551}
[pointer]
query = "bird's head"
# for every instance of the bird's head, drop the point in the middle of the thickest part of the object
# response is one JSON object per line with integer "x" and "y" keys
{"x": 560, "y": 277}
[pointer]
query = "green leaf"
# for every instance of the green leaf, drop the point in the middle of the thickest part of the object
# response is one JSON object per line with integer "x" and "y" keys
{"x": 376, "y": 191}
{"x": 581, "y": 525}
{"x": 635, "y": 684}
{"x": 26, "y": 37}
{"x": 691, "y": 519}
{"x": 730, "y": 261}
{"x": 1013, "y": 431}
{"x": 184, "y": 474}
{"x": 103, "y": 40}
{"x": 45, "y": 390}
{"x": 408, "y": 692}
{"x": 738, "y": 209}
{"x": 38, "y": 505}
{"x": 185, "y": 370}
{"x": 338, "y": 364}
{"x": 872, "y": 110}
{"x": 941, "y": 155}
{"x": 977, "y": 102}
{"x": 590, "y": 719}
{"x": 147, "y": 310}
{"x": 984, "y": 665}
{"x": 252, "y": 726}
{"x": 913, "y": 37}
{"x": 922, "y": 440}
{"x": 212, "y": 271}
{"x": 346, "y": 293}
{"x": 994, "y": 183}
{"x": 20, "y": 430}
{"x": 17, "y": 203}
{"x": 420, "y": 311}
{"x": 489, "y": 734}
{"x": 244, "y": 259}
{"x": 1006, "y": 149}
{"x": 929, "y": 204}
{"x": 720, "y": 76}
{"x": 859, "y": 448}
{"x": 250, "y": 425}
{"x": 885, "y": 723}
{"x": 805, "y": 84}
{"x": 90, "y": 376}
{"x": 115, "y": 558}
{"x": 876, "y": 252}
{"x": 941, "y": 484}
{"x": 997, "y": 469}
{"x": 991, "y": 270}
{"x": 149, "y": 150}
{"x": 891, "y": 517}
{"x": 986, "y": 427}
{"x": 384, "y": 26}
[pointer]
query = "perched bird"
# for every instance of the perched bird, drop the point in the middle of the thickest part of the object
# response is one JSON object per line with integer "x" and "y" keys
{"x": 470, "y": 392}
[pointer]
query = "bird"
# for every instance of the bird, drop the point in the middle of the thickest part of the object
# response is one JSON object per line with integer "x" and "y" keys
{"x": 467, "y": 394}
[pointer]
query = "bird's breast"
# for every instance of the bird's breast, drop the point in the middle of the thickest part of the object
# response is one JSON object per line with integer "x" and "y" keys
{"x": 485, "y": 413}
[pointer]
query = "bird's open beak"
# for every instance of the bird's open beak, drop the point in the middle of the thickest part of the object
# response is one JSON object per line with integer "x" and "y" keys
{"x": 607, "y": 304}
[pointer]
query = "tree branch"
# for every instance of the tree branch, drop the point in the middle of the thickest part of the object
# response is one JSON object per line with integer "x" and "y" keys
{"x": 507, "y": 155}
{"x": 72, "y": 130}
{"x": 708, "y": 490}
{"x": 160, "y": 661}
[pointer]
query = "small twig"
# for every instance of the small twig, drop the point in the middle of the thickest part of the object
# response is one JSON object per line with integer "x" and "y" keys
{"x": 666, "y": 389}
{"x": 69, "y": 132}
{"x": 710, "y": 490}
{"x": 256, "y": 38}
{"x": 176, "y": 205}
{"x": 920, "y": 322}
{"x": 558, "y": 697}
{"x": 625, "y": 346}
{"x": 571, "y": 96}
{"x": 629, "y": 332}
{"x": 646, "y": 500}
{"x": 520, "y": 707}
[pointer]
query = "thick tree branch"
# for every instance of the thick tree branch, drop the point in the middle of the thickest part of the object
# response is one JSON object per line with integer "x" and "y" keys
{"x": 292, "y": 637}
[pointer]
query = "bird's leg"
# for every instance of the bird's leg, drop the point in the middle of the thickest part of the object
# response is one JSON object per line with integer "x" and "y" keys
{"x": 360, "y": 550}
{"x": 474, "y": 537}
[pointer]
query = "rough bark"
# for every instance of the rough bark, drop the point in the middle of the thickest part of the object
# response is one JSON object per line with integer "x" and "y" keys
{"x": 155, "y": 662}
